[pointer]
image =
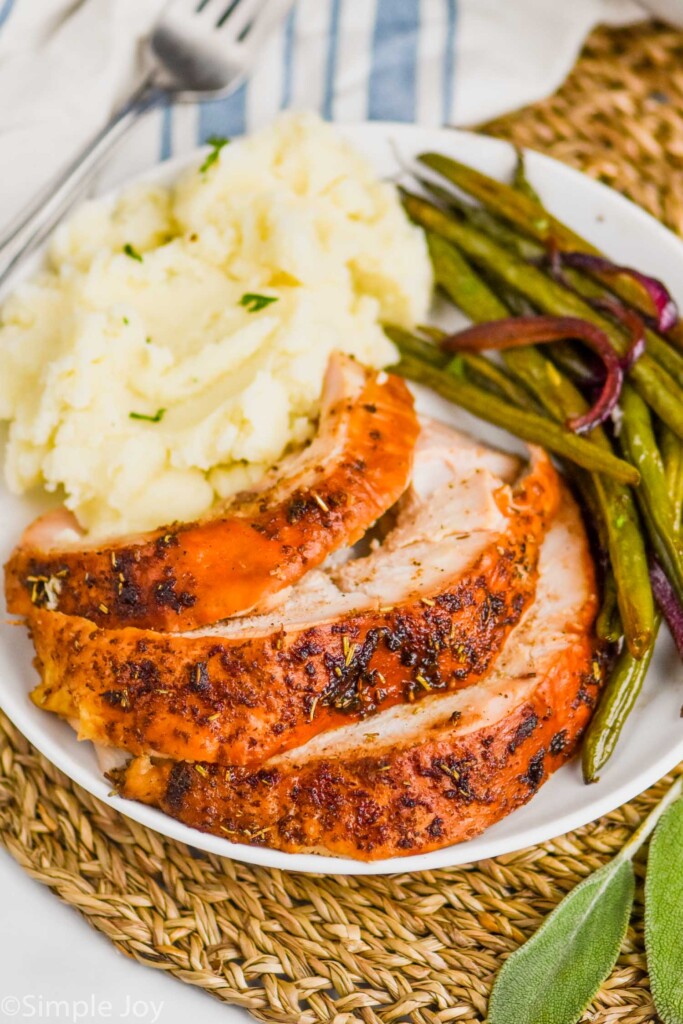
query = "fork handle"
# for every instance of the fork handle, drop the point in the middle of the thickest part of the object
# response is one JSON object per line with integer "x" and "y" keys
{"x": 40, "y": 217}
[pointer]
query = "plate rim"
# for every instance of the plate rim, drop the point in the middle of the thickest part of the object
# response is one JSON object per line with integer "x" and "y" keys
{"x": 165, "y": 172}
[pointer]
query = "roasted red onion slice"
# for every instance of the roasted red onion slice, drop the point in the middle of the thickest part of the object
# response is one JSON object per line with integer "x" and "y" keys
{"x": 628, "y": 317}
{"x": 513, "y": 332}
{"x": 668, "y": 602}
{"x": 664, "y": 307}
{"x": 633, "y": 323}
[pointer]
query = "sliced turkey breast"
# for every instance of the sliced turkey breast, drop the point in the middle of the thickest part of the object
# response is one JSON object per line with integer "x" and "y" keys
{"x": 252, "y": 546}
{"x": 427, "y": 611}
{"x": 416, "y": 777}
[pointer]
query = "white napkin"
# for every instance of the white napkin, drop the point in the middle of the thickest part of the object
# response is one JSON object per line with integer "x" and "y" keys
{"x": 65, "y": 65}
{"x": 514, "y": 53}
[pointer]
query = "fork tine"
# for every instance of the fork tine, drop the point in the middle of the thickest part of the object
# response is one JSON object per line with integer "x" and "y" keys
{"x": 209, "y": 9}
{"x": 257, "y": 31}
{"x": 238, "y": 17}
{"x": 227, "y": 11}
{"x": 184, "y": 10}
{"x": 207, "y": 46}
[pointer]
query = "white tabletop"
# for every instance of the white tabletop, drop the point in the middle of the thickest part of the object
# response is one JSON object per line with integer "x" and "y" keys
{"x": 56, "y": 968}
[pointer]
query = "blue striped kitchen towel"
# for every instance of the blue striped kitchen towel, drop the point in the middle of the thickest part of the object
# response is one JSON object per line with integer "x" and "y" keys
{"x": 64, "y": 66}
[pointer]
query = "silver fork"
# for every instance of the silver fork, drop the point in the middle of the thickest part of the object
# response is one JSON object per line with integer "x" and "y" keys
{"x": 198, "y": 49}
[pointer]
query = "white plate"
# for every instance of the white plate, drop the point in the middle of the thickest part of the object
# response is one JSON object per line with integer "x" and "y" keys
{"x": 652, "y": 742}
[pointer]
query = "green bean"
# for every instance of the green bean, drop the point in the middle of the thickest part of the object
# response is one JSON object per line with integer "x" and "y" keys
{"x": 465, "y": 365}
{"x": 477, "y": 367}
{"x": 530, "y": 281}
{"x": 628, "y": 557}
{"x": 658, "y": 347}
{"x": 661, "y": 351}
{"x": 608, "y": 623}
{"x": 528, "y": 214}
{"x": 596, "y": 518}
{"x": 661, "y": 371}
{"x": 572, "y": 363}
{"x": 435, "y": 334}
{"x": 655, "y": 385}
{"x": 616, "y": 704}
{"x": 628, "y": 674}
{"x": 409, "y": 344}
{"x": 667, "y": 357}
{"x": 619, "y": 517}
{"x": 529, "y": 426}
{"x": 479, "y": 217}
{"x": 617, "y": 513}
{"x": 622, "y": 534}
{"x": 483, "y": 371}
{"x": 637, "y": 441}
{"x": 468, "y": 291}
{"x": 474, "y": 298}
{"x": 614, "y": 504}
{"x": 521, "y": 182}
{"x": 638, "y": 436}
{"x": 557, "y": 395}
{"x": 672, "y": 457}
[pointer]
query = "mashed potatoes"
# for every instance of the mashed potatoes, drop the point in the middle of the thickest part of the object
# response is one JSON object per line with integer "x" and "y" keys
{"x": 138, "y": 373}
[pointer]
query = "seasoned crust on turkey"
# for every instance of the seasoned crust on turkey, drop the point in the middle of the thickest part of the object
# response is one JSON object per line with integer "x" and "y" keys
{"x": 426, "y": 612}
{"x": 416, "y": 777}
{"x": 249, "y": 548}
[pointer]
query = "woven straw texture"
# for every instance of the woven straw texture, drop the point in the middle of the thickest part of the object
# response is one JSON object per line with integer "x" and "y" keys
{"x": 424, "y": 947}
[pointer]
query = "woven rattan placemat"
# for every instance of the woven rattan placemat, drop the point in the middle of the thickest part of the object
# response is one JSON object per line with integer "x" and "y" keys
{"x": 417, "y": 947}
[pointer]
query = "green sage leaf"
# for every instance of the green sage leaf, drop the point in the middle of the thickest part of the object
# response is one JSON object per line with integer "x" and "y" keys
{"x": 664, "y": 915}
{"x": 552, "y": 978}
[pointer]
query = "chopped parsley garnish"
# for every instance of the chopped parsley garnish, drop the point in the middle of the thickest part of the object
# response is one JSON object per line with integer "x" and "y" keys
{"x": 216, "y": 142}
{"x": 131, "y": 251}
{"x": 156, "y": 418}
{"x": 148, "y": 341}
{"x": 125, "y": 320}
{"x": 253, "y": 303}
